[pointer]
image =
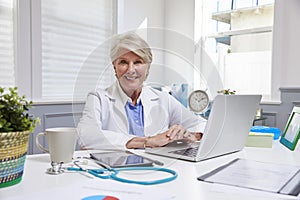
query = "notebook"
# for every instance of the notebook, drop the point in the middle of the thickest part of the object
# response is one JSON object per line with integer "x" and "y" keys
{"x": 227, "y": 128}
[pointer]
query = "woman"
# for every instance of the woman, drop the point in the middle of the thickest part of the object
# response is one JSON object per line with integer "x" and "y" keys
{"x": 129, "y": 114}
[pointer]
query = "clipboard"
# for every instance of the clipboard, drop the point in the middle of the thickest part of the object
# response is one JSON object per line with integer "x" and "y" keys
{"x": 269, "y": 177}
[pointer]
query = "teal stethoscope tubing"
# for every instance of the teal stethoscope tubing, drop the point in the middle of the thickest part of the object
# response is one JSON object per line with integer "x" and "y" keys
{"x": 113, "y": 174}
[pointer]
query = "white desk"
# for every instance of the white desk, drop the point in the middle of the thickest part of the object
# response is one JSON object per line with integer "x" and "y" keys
{"x": 36, "y": 182}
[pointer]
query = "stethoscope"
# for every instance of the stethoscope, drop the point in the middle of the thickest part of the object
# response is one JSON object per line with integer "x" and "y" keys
{"x": 112, "y": 173}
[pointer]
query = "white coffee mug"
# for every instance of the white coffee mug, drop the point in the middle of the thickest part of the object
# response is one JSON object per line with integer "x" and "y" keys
{"x": 61, "y": 142}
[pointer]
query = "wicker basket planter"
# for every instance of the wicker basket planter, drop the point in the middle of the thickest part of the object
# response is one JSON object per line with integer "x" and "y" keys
{"x": 13, "y": 150}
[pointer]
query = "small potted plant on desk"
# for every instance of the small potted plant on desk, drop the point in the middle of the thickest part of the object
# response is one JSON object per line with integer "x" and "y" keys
{"x": 224, "y": 92}
{"x": 16, "y": 124}
{"x": 227, "y": 92}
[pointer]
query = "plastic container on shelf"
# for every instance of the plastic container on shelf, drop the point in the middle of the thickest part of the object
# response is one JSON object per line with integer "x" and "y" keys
{"x": 266, "y": 129}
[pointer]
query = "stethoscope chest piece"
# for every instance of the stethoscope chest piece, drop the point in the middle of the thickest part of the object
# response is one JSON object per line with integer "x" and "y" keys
{"x": 56, "y": 168}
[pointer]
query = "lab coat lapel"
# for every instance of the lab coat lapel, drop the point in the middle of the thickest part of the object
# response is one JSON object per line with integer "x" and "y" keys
{"x": 149, "y": 101}
{"x": 119, "y": 113}
{"x": 120, "y": 116}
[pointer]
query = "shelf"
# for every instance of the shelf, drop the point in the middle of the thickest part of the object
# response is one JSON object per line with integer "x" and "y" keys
{"x": 225, "y": 16}
{"x": 223, "y": 34}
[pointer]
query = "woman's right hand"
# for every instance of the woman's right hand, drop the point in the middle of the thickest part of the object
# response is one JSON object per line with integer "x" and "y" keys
{"x": 158, "y": 140}
{"x": 175, "y": 132}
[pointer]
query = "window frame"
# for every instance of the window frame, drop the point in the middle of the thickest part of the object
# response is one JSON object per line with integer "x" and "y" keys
{"x": 28, "y": 48}
{"x": 23, "y": 46}
{"x": 250, "y": 31}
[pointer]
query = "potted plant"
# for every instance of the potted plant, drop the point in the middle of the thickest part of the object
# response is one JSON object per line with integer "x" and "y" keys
{"x": 16, "y": 124}
{"x": 227, "y": 92}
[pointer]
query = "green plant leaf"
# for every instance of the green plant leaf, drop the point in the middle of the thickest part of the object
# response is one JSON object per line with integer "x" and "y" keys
{"x": 14, "y": 111}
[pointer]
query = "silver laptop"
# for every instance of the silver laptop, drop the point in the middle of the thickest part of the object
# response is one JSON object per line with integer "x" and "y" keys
{"x": 226, "y": 131}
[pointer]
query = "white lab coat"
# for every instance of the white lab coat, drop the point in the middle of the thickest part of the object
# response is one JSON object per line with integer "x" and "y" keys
{"x": 104, "y": 122}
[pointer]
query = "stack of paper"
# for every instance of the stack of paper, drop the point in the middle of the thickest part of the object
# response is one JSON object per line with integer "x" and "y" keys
{"x": 261, "y": 176}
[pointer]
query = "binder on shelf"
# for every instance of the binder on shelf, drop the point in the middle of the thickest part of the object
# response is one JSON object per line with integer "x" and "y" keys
{"x": 266, "y": 130}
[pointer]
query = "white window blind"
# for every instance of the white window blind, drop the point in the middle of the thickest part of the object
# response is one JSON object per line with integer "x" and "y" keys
{"x": 74, "y": 49}
{"x": 7, "y": 65}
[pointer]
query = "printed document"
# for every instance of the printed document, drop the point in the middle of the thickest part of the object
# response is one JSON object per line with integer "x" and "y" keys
{"x": 278, "y": 178}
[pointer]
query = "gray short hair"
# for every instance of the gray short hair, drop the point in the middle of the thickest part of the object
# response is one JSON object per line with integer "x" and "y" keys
{"x": 131, "y": 42}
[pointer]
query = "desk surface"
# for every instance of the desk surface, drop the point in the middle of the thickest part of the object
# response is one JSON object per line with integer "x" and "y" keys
{"x": 36, "y": 182}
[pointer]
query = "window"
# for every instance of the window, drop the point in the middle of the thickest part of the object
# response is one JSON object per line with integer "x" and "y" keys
{"x": 70, "y": 34}
{"x": 238, "y": 39}
{"x": 7, "y": 64}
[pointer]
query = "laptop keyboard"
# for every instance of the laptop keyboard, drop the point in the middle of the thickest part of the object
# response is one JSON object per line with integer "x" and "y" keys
{"x": 190, "y": 152}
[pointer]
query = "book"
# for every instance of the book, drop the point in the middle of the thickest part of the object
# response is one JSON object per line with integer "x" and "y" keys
{"x": 257, "y": 139}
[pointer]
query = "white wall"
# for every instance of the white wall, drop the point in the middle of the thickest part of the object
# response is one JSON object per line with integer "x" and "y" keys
{"x": 136, "y": 11}
{"x": 286, "y": 43}
{"x": 147, "y": 18}
{"x": 178, "y": 16}
{"x": 179, "y": 40}
{"x": 170, "y": 31}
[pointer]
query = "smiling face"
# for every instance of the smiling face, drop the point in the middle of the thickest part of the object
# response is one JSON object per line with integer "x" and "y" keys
{"x": 131, "y": 71}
